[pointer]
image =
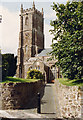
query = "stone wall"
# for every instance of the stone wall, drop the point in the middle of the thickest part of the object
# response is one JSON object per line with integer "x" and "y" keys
{"x": 21, "y": 95}
{"x": 69, "y": 101}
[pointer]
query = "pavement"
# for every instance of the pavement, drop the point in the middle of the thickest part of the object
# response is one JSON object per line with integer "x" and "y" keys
{"x": 48, "y": 108}
{"x": 48, "y": 105}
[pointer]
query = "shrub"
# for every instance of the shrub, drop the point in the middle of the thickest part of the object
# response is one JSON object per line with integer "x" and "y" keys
{"x": 34, "y": 74}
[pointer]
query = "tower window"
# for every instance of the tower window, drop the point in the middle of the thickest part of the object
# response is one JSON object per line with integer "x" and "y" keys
{"x": 26, "y": 48}
{"x": 26, "y": 21}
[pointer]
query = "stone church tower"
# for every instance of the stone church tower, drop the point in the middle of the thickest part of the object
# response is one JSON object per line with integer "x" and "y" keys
{"x": 31, "y": 37}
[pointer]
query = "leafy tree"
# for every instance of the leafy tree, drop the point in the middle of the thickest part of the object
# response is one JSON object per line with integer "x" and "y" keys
{"x": 8, "y": 65}
{"x": 68, "y": 32}
{"x": 0, "y": 66}
{"x": 5, "y": 67}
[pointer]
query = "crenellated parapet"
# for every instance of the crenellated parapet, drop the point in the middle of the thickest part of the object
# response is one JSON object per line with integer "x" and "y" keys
{"x": 38, "y": 12}
{"x": 31, "y": 10}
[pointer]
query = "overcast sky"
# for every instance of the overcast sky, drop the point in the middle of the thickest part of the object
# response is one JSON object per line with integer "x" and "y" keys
{"x": 9, "y": 28}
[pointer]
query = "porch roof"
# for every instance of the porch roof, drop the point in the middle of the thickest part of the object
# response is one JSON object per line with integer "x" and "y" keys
{"x": 45, "y": 52}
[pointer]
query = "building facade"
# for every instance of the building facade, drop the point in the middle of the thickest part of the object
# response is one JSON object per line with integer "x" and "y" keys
{"x": 31, "y": 44}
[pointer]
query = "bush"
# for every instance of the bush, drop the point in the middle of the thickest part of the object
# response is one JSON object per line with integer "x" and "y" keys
{"x": 34, "y": 74}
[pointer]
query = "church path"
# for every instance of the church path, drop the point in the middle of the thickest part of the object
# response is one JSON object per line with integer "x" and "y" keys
{"x": 48, "y": 105}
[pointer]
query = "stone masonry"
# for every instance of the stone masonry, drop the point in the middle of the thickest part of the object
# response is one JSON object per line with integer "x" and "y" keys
{"x": 20, "y": 95}
{"x": 70, "y": 101}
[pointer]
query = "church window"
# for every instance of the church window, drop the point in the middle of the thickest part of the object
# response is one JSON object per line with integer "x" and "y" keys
{"x": 26, "y": 21}
{"x": 36, "y": 68}
{"x": 39, "y": 67}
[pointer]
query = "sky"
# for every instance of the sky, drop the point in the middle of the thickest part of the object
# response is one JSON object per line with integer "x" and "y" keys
{"x": 9, "y": 28}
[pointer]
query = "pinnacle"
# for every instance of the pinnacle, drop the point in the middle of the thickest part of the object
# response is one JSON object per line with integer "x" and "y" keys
{"x": 33, "y": 4}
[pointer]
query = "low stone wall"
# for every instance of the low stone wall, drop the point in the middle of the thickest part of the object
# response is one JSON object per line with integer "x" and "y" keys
{"x": 21, "y": 95}
{"x": 70, "y": 101}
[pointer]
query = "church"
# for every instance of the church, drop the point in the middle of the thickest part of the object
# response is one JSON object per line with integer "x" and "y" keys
{"x": 31, "y": 53}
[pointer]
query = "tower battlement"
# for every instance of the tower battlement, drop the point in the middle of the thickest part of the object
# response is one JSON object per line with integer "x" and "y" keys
{"x": 32, "y": 10}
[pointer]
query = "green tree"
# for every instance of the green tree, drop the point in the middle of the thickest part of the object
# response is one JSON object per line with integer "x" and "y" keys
{"x": 0, "y": 66}
{"x": 8, "y": 65}
{"x": 68, "y": 32}
{"x": 5, "y": 67}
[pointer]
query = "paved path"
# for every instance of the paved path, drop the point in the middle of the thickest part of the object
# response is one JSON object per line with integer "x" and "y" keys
{"x": 48, "y": 110}
{"x": 48, "y": 106}
{"x": 24, "y": 114}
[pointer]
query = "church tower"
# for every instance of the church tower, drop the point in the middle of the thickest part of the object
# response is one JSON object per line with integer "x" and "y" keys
{"x": 31, "y": 37}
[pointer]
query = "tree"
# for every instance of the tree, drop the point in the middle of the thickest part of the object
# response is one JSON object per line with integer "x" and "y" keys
{"x": 68, "y": 32}
{"x": 8, "y": 65}
{"x": 0, "y": 66}
{"x": 5, "y": 67}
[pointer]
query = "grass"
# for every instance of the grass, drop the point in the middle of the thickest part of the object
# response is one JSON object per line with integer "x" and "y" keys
{"x": 75, "y": 82}
{"x": 16, "y": 80}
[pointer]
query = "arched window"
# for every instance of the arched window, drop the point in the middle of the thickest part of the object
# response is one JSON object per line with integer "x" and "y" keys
{"x": 26, "y": 21}
{"x": 38, "y": 67}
